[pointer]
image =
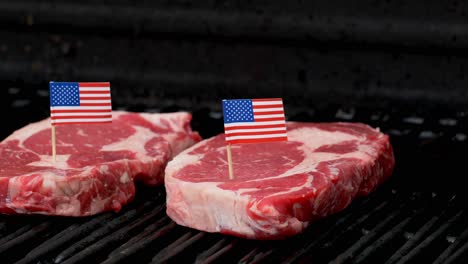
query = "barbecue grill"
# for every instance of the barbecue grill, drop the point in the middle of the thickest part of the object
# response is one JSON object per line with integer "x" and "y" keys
{"x": 394, "y": 65}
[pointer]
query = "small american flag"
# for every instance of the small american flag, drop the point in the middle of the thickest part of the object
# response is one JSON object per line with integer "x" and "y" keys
{"x": 254, "y": 120}
{"x": 79, "y": 103}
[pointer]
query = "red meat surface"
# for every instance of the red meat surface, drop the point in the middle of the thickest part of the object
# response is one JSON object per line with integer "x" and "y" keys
{"x": 96, "y": 165}
{"x": 278, "y": 188}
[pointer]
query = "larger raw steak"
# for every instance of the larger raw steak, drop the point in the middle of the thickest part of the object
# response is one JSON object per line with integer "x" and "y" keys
{"x": 96, "y": 164}
{"x": 279, "y": 188}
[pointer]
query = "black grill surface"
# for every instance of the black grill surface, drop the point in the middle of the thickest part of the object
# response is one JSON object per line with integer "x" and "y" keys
{"x": 418, "y": 216}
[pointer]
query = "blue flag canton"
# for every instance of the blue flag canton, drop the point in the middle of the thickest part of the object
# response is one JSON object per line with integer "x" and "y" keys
{"x": 238, "y": 111}
{"x": 64, "y": 94}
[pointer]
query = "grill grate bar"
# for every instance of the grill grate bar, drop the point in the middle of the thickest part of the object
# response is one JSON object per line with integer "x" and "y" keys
{"x": 201, "y": 258}
{"x": 146, "y": 232}
{"x": 384, "y": 239}
{"x": 2, "y": 228}
{"x": 369, "y": 237}
{"x": 157, "y": 235}
{"x": 345, "y": 220}
{"x": 130, "y": 248}
{"x": 368, "y": 209}
{"x": 70, "y": 233}
{"x": 101, "y": 232}
{"x": 30, "y": 234}
{"x": 398, "y": 229}
{"x": 222, "y": 249}
{"x": 426, "y": 242}
{"x": 357, "y": 223}
{"x": 325, "y": 234}
{"x": 448, "y": 252}
{"x": 15, "y": 234}
{"x": 256, "y": 256}
{"x": 178, "y": 246}
{"x": 103, "y": 242}
{"x": 459, "y": 254}
{"x": 422, "y": 232}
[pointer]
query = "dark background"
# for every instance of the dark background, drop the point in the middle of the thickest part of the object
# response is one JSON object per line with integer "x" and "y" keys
{"x": 394, "y": 64}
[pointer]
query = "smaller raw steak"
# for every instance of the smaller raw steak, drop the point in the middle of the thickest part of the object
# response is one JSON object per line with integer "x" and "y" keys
{"x": 96, "y": 164}
{"x": 279, "y": 188}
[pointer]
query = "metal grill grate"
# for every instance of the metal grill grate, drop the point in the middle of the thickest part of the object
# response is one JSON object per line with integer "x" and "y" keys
{"x": 387, "y": 226}
{"x": 418, "y": 216}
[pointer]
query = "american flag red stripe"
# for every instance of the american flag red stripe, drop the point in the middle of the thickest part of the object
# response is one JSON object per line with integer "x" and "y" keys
{"x": 257, "y": 133}
{"x": 94, "y": 92}
{"x": 95, "y": 84}
{"x": 94, "y": 106}
{"x": 270, "y": 113}
{"x": 264, "y": 106}
{"x": 264, "y": 140}
{"x": 82, "y": 111}
{"x": 94, "y": 98}
{"x": 268, "y": 119}
{"x": 247, "y": 127}
{"x": 83, "y": 116}
{"x": 268, "y": 124}
{"x": 82, "y": 122}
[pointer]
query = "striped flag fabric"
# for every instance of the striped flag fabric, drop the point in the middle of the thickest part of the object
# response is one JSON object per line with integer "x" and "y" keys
{"x": 80, "y": 103}
{"x": 254, "y": 120}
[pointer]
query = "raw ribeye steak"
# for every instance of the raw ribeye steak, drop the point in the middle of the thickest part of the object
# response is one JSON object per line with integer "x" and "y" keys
{"x": 96, "y": 165}
{"x": 278, "y": 188}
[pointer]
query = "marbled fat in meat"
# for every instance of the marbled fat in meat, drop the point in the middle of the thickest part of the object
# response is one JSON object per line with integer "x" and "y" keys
{"x": 96, "y": 165}
{"x": 278, "y": 188}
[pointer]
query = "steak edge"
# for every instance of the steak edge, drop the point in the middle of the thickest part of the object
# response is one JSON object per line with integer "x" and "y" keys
{"x": 278, "y": 188}
{"x": 96, "y": 164}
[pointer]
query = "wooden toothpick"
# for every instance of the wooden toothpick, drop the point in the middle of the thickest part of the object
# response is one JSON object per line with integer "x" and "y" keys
{"x": 54, "y": 150}
{"x": 229, "y": 157}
